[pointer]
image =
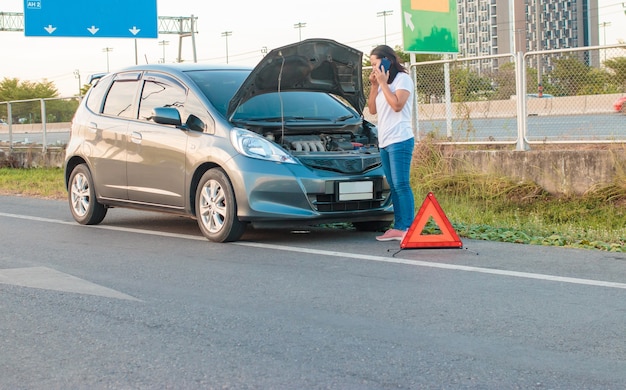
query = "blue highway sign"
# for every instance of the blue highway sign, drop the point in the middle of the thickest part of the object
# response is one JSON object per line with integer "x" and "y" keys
{"x": 91, "y": 18}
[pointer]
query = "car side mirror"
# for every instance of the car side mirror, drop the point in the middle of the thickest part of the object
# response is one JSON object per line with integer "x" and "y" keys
{"x": 166, "y": 116}
{"x": 196, "y": 124}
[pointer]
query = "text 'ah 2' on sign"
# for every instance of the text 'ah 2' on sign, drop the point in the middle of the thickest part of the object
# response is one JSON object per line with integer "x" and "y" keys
{"x": 93, "y": 18}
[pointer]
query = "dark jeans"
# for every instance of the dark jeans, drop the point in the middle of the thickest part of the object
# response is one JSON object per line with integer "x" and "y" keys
{"x": 396, "y": 159}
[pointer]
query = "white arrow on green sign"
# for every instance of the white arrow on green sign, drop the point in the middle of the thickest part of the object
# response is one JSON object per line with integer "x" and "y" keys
{"x": 430, "y": 26}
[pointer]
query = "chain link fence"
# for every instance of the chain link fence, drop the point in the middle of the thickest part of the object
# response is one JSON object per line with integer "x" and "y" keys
{"x": 36, "y": 122}
{"x": 568, "y": 96}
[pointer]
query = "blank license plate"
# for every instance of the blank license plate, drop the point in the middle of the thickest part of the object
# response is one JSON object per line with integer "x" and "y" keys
{"x": 356, "y": 190}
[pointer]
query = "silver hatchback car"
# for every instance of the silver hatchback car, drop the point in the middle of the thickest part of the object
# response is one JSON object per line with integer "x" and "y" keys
{"x": 279, "y": 145}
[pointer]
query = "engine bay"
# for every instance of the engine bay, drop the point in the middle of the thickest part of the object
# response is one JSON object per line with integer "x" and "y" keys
{"x": 310, "y": 143}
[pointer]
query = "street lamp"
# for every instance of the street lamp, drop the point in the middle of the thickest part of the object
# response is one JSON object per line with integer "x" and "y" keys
{"x": 164, "y": 43}
{"x": 107, "y": 50}
{"x": 384, "y": 14}
{"x": 299, "y": 26}
{"x": 226, "y": 34}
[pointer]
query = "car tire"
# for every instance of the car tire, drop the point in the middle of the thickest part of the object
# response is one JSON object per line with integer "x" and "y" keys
{"x": 81, "y": 195}
{"x": 371, "y": 226}
{"x": 216, "y": 208}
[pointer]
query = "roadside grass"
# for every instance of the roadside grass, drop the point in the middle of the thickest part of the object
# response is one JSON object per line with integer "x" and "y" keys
{"x": 478, "y": 206}
{"x": 34, "y": 182}
{"x": 496, "y": 208}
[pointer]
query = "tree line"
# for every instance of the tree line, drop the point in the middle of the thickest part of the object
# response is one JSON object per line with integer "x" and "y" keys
{"x": 57, "y": 109}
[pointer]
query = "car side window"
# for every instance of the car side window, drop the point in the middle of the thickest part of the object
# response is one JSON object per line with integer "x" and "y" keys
{"x": 160, "y": 92}
{"x": 120, "y": 99}
{"x": 97, "y": 93}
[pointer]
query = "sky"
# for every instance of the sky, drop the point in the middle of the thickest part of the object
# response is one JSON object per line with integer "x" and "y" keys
{"x": 252, "y": 24}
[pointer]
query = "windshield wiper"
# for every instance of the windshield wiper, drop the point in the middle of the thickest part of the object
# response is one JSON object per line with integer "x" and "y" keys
{"x": 343, "y": 118}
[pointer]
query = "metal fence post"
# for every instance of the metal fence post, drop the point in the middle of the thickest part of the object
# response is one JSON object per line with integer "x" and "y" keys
{"x": 415, "y": 124}
{"x": 10, "y": 119}
{"x": 520, "y": 91}
{"x": 43, "y": 125}
{"x": 446, "y": 75}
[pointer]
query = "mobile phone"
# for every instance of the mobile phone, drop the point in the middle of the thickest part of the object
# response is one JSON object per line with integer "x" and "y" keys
{"x": 385, "y": 64}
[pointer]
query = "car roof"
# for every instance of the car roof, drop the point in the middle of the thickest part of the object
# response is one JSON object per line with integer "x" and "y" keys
{"x": 184, "y": 67}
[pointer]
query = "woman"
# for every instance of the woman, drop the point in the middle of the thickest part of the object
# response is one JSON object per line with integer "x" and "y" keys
{"x": 391, "y": 98}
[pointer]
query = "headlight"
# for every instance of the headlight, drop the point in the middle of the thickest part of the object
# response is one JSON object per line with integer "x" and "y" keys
{"x": 254, "y": 146}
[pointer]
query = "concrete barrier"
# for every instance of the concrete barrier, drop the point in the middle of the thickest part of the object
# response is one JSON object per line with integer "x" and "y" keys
{"x": 568, "y": 172}
{"x": 37, "y": 128}
{"x": 32, "y": 157}
{"x": 557, "y": 171}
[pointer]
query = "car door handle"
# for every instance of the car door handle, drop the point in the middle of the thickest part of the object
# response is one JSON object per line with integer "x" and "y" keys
{"x": 135, "y": 137}
{"x": 93, "y": 127}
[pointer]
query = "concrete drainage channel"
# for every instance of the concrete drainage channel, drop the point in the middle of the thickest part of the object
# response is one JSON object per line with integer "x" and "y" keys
{"x": 557, "y": 171}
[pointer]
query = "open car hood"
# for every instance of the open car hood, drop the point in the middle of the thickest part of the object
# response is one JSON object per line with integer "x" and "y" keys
{"x": 311, "y": 65}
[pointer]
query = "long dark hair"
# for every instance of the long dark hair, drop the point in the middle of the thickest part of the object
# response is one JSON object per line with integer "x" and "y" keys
{"x": 396, "y": 67}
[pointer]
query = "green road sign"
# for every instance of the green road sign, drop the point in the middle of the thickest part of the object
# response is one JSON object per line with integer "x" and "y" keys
{"x": 430, "y": 26}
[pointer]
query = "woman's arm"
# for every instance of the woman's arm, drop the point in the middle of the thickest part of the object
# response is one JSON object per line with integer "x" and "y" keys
{"x": 396, "y": 100}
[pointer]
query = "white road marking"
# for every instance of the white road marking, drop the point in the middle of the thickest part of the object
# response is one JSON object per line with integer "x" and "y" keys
{"x": 49, "y": 279}
{"x": 455, "y": 267}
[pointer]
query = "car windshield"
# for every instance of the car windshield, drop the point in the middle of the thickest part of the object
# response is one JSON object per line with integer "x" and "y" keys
{"x": 294, "y": 105}
{"x": 220, "y": 86}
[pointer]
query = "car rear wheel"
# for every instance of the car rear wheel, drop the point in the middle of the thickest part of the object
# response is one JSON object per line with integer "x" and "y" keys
{"x": 84, "y": 206}
{"x": 216, "y": 208}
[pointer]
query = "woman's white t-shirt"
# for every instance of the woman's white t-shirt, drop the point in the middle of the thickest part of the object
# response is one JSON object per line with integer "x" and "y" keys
{"x": 395, "y": 126}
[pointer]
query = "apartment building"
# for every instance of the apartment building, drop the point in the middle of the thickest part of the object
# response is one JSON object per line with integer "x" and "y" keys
{"x": 488, "y": 27}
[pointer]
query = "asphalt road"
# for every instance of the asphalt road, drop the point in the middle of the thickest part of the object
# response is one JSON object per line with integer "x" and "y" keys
{"x": 608, "y": 127}
{"x": 142, "y": 301}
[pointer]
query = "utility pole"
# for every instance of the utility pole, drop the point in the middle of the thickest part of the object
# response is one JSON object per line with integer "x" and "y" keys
{"x": 107, "y": 50}
{"x": 384, "y": 14}
{"x": 163, "y": 43}
{"x": 226, "y": 34}
{"x": 77, "y": 76}
{"x": 299, "y": 26}
{"x": 604, "y": 25}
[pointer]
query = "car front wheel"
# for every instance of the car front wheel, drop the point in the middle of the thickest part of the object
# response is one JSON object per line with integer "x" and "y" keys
{"x": 84, "y": 206}
{"x": 216, "y": 208}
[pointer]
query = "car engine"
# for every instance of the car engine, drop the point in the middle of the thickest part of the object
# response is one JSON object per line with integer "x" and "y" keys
{"x": 302, "y": 144}
{"x": 343, "y": 152}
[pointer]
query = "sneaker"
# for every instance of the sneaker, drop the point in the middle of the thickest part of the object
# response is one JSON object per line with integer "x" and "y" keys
{"x": 392, "y": 234}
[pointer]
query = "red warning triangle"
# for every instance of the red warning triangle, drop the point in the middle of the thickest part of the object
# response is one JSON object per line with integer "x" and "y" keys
{"x": 414, "y": 237}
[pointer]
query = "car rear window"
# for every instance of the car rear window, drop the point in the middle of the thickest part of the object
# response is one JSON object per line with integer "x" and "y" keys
{"x": 97, "y": 92}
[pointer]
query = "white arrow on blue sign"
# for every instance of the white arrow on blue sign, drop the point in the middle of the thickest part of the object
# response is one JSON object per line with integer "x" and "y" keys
{"x": 91, "y": 18}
